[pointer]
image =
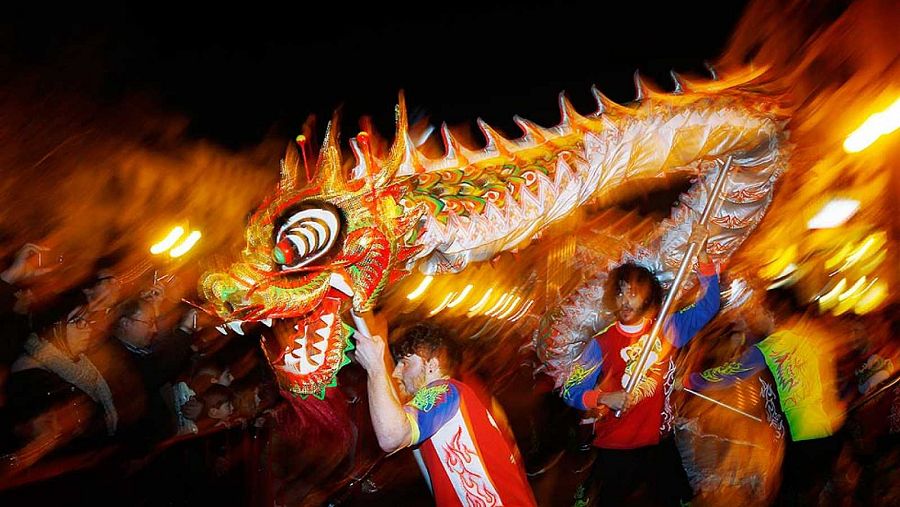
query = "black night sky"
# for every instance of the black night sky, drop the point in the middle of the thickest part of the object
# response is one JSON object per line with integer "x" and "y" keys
{"x": 243, "y": 73}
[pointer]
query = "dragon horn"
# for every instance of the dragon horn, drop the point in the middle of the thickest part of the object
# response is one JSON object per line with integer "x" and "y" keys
{"x": 289, "y": 165}
{"x": 399, "y": 149}
{"x": 330, "y": 176}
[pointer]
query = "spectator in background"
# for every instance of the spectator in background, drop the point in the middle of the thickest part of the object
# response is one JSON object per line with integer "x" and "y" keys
{"x": 145, "y": 361}
{"x": 16, "y": 301}
{"x": 56, "y": 392}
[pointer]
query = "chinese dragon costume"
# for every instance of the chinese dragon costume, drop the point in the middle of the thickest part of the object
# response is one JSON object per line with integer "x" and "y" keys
{"x": 317, "y": 248}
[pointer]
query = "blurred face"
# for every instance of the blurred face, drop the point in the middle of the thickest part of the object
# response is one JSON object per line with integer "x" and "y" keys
{"x": 103, "y": 294}
{"x": 137, "y": 329}
{"x": 223, "y": 411}
{"x": 410, "y": 372}
{"x": 78, "y": 333}
{"x": 631, "y": 302}
{"x": 757, "y": 322}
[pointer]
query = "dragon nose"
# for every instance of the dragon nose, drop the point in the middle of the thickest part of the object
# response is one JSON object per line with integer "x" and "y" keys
{"x": 278, "y": 255}
{"x": 283, "y": 254}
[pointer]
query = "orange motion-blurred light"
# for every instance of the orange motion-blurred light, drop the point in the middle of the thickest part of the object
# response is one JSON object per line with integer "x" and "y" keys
{"x": 169, "y": 240}
{"x": 185, "y": 245}
{"x": 877, "y": 125}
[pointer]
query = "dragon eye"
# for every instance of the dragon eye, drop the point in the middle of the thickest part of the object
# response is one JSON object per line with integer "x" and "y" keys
{"x": 306, "y": 235}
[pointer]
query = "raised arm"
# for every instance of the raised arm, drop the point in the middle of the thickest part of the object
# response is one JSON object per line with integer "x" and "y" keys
{"x": 682, "y": 326}
{"x": 392, "y": 426}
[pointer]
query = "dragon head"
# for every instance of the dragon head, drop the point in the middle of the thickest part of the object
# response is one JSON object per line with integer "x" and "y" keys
{"x": 312, "y": 250}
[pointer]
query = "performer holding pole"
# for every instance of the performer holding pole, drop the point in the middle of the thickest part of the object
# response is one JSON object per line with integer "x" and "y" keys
{"x": 607, "y": 376}
{"x": 693, "y": 247}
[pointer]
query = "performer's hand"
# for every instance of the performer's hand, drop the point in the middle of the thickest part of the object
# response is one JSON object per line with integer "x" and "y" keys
{"x": 370, "y": 352}
{"x": 616, "y": 400}
{"x": 699, "y": 235}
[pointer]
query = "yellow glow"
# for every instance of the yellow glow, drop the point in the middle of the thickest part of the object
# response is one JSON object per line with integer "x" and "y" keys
{"x": 510, "y": 309}
{"x": 849, "y": 298}
{"x": 443, "y": 304}
{"x": 873, "y": 242}
{"x": 855, "y": 287}
{"x": 877, "y": 125}
{"x": 828, "y": 300}
{"x": 421, "y": 288}
{"x": 523, "y": 311}
{"x": 462, "y": 295}
{"x": 169, "y": 240}
{"x": 872, "y": 264}
{"x": 185, "y": 245}
{"x": 498, "y": 304}
{"x": 781, "y": 260}
{"x": 833, "y": 261}
{"x": 872, "y": 298}
{"x": 480, "y": 304}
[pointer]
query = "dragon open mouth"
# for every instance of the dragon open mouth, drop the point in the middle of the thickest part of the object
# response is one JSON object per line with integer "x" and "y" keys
{"x": 306, "y": 351}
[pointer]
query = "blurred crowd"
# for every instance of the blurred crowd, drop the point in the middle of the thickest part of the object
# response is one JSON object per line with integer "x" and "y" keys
{"x": 122, "y": 366}
{"x": 119, "y": 365}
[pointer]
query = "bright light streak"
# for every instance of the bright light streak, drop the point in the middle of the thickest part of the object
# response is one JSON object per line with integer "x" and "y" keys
{"x": 855, "y": 287}
{"x": 167, "y": 243}
{"x": 498, "y": 304}
{"x": 523, "y": 311}
{"x": 509, "y": 310}
{"x": 877, "y": 125}
{"x": 876, "y": 240}
{"x": 827, "y": 300}
{"x": 502, "y": 308}
{"x": 841, "y": 254}
{"x": 462, "y": 295}
{"x": 872, "y": 298}
{"x": 443, "y": 304}
{"x": 835, "y": 213}
{"x": 421, "y": 288}
{"x": 480, "y": 304}
{"x": 185, "y": 245}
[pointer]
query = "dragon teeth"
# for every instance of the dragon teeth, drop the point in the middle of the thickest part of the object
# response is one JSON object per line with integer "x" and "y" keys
{"x": 222, "y": 329}
{"x": 324, "y": 332}
{"x": 267, "y": 322}
{"x": 338, "y": 282}
{"x": 236, "y": 326}
{"x": 328, "y": 319}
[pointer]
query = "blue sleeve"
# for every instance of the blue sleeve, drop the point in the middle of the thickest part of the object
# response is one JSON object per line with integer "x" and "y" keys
{"x": 430, "y": 409}
{"x": 683, "y": 325}
{"x": 720, "y": 377}
{"x": 583, "y": 377}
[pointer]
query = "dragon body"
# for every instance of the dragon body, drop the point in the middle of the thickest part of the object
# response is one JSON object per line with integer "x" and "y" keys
{"x": 316, "y": 248}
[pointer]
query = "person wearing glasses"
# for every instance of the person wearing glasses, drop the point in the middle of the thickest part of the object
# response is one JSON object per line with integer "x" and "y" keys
{"x": 139, "y": 348}
{"x": 55, "y": 392}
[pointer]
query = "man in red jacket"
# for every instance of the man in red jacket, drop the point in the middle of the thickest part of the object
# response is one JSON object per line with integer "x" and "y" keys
{"x": 637, "y": 441}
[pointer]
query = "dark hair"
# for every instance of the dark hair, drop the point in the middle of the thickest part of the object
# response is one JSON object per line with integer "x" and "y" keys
{"x": 633, "y": 274}
{"x": 427, "y": 341}
{"x": 215, "y": 395}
